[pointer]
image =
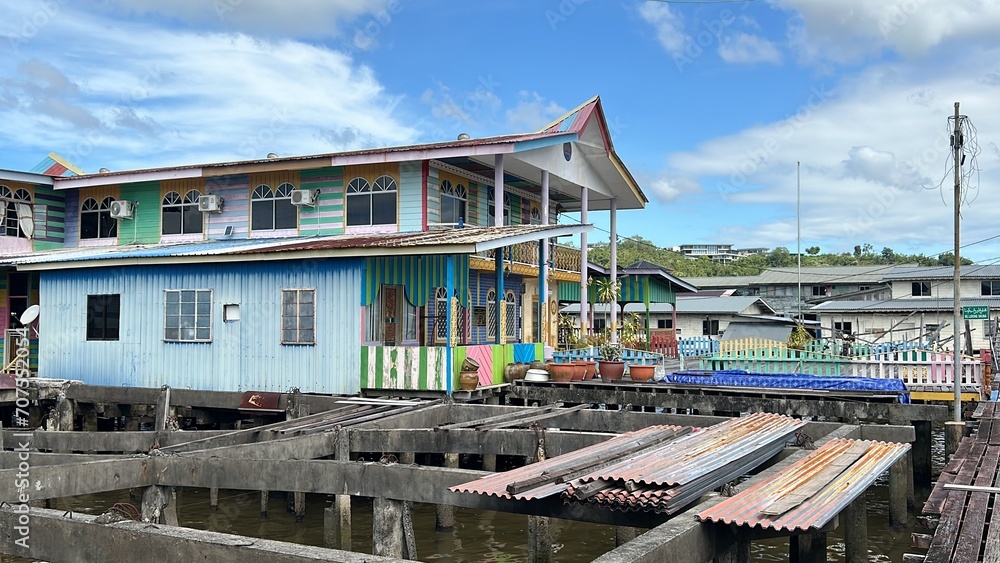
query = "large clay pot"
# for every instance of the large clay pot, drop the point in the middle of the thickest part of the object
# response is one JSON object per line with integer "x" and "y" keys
{"x": 562, "y": 373}
{"x": 641, "y": 374}
{"x": 468, "y": 380}
{"x": 591, "y": 370}
{"x": 611, "y": 371}
{"x": 514, "y": 371}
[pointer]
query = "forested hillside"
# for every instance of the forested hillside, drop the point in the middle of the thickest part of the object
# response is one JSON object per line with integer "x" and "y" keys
{"x": 634, "y": 249}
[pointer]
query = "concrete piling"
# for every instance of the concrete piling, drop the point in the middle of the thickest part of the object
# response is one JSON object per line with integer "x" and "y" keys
{"x": 264, "y": 497}
{"x": 539, "y": 539}
{"x": 737, "y": 552}
{"x": 807, "y": 548}
{"x": 213, "y": 498}
{"x": 387, "y": 528}
{"x": 446, "y": 512}
{"x": 953, "y": 432}
{"x": 159, "y": 505}
{"x": 922, "y": 454}
{"x": 299, "y": 501}
{"x": 341, "y": 519}
{"x": 856, "y": 530}
{"x": 898, "y": 483}
{"x": 624, "y": 534}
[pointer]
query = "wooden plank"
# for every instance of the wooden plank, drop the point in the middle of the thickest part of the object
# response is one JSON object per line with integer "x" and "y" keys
{"x": 974, "y": 523}
{"x": 802, "y": 491}
{"x": 946, "y": 533}
{"x": 994, "y": 438}
{"x": 936, "y": 500}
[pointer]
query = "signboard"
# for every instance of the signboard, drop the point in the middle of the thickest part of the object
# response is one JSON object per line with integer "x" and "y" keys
{"x": 976, "y": 312}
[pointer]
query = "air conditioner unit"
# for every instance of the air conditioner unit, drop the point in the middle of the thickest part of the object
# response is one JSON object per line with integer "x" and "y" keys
{"x": 210, "y": 203}
{"x": 304, "y": 197}
{"x": 122, "y": 209}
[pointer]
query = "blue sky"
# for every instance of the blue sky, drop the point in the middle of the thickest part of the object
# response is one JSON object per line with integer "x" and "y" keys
{"x": 710, "y": 104}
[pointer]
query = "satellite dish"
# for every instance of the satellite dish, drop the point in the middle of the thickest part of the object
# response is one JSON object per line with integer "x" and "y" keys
{"x": 29, "y": 315}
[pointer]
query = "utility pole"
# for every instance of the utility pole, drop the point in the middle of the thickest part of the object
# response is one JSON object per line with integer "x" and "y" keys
{"x": 798, "y": 235}
{"x": 956, "y": 145}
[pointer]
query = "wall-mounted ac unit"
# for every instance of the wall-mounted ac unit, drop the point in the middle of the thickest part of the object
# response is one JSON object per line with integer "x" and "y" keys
{"x": 210, "y": 203}
{"x": 304, "y": 197}
{"x": 121, "y": 209}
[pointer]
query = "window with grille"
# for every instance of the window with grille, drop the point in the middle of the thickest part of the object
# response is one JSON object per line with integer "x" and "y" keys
{"x": 15, "y": 204}
{"x": 491, "y": 313}
{"x": 187, "y": 315}
{"x": 298, "y": 316}
{"x": 441, "y": 315}
{"x": 513, "y": 323}
{"x": 371, "y": 204}
{"x": 95, "y": 219}
{"x": 272, "y": 209}
{"x": 181, "y": 215}
{"x": 454, "y": 199}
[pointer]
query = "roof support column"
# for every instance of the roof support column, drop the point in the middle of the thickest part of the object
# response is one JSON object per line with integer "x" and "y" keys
{"x": 498, "y": 221}
{"x": 449, "y": 320}
{"x": 614, "y": 269}
{"x": 543, "y": 261}
{"x": 584, "y": 202}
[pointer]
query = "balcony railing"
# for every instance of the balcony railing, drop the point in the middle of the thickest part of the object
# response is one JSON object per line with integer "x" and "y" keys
{"x": 564, "y": 258}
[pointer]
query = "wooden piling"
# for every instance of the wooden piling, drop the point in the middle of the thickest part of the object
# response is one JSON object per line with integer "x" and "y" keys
{"x": 387, "y": 528}
{"x": 856, "y": 530}
{"x": 922, "y": 454}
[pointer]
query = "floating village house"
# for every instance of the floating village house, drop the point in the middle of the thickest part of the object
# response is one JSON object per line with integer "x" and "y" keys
{"x": 381, "y": 268}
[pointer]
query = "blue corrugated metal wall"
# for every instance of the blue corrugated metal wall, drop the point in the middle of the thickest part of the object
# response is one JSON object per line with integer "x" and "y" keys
{"x": 243, "y": 355}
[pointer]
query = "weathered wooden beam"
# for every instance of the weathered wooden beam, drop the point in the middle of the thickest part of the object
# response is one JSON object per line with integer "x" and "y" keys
{"x": 56, "y": 536}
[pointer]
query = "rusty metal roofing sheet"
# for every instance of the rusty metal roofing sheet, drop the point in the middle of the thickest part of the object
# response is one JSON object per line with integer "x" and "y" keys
{"x": 834, "y": 490}
{"x": 496, "y": 484}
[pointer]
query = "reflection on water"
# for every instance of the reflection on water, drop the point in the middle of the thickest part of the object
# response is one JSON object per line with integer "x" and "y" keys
{"x": 478, "y": 535}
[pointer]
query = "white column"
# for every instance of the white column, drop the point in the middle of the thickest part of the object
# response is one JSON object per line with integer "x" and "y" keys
{"x": 614, "y": 267}
{"x": 498, "y": 191}
{"x": 543, "y": 261}
{"x": 584, "y": 202}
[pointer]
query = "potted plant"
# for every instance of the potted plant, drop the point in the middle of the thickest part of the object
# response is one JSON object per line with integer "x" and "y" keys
{"x": 611, "y": 366}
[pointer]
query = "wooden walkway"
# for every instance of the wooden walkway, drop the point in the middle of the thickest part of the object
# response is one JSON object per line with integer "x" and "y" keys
{"x": 963, "y": 523}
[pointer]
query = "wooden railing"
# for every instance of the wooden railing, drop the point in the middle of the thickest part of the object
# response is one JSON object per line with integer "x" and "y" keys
{"x": 565, "y": 258}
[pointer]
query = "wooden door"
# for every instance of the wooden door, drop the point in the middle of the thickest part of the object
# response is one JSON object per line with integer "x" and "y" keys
{"x": 390, "y": 314}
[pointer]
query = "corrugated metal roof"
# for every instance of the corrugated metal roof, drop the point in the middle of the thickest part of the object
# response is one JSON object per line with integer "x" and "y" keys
{"x": 835, "y": 471}
{"x": 721, "y": 282}
{"x": 690, "y": 305}
{"x": 974, "y": 271}
{"x": 919, "y": 304}
{"x": 836, "y": 275}
{"x": 664, "y": 477}
{"x": 461, "y": 241}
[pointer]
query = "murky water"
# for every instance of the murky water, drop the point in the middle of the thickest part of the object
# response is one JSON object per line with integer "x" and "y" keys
{"x": 478, "y": 535}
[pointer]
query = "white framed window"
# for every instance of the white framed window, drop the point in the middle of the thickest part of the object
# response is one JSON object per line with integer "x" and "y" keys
{"x": 510, "y": 303}
{"x": 95, "y": 219}
{"x": 490, "y": 204}
{"x": 491, "y": 313}
{"x": 16, "y": 204}
{"x": 920, "y": 289}
{"x": 990, "y": 287}
{"x": 454, "y": 201}
{"x": 187, "y": 315}
{"x": 181, "y": 215}
{"x": 298, "y": 316}
{"x": 272, "y": 209}
{"x": 371, "y": 204}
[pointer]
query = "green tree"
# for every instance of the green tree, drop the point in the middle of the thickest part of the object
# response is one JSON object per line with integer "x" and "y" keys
{"x": 812, "y": 250}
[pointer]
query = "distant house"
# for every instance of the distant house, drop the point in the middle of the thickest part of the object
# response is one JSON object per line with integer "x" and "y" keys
{"x": 920, "y": 306}
{"x": 721, "y": 253}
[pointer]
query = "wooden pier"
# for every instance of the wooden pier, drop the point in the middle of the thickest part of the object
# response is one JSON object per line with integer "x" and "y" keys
{"x": 959, "y": 520}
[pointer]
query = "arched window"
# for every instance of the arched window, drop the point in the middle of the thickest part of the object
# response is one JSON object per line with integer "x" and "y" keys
{"x": 536, "y": 215}
{"x": 16, "y": 204}
{"x": 272, "y": 209}
{"x": 491, "y": 313}
{"x": 490, "y": 202}
{"x": 453, "y": 203}
{"x": 441, "y": 315}
{"x": 510, "y": 303}
{"x": 181, "y": 215}
{"x": 371, "y": 204}
{"x": 95, "y": 219}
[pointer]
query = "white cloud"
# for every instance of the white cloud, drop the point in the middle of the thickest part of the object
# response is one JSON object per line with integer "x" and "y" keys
{"x": 184, "y": 97}
{"x": 744, "y": 48}
{"x": 846, "y": 30}
{"x": 668, "y": 189}
{"x": 532, "y": 112}
{"x": 288, "y": 18}
{"x": 669, "y": 26}
{"x": 873, "y": 152}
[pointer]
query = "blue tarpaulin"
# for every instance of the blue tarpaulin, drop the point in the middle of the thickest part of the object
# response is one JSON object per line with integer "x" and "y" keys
{"x": 741, "y": 378}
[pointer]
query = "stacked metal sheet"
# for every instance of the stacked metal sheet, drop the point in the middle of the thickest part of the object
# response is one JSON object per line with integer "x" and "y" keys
{"x": 810, "y": 493}
{"x": 659, "y": 469}
{"x": 672, "y": 476}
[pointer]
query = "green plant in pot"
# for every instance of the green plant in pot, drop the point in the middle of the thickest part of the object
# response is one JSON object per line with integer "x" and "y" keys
{"x": 611, "y": 367}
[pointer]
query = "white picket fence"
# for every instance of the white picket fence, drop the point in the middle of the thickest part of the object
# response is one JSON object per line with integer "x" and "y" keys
{"x": 920, "y": 371}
